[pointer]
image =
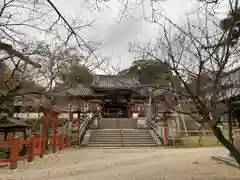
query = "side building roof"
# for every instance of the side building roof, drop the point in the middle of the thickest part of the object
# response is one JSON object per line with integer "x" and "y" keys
{"x": 12, "y": 123}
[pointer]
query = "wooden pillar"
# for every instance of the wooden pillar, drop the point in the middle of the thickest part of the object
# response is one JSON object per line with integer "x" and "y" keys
{"x": 129, "y": 111}
{"x": 70, "y": 116}
{"x": 25, "y": 134}
{"x": 130, "y": 107}
{"x": 25, "y": 138}
{"x": 85, "y": 106}
{"x": 14, "y": 156}
{"x": 103, "y": 110}
{"x": 5, "y": 135}
{"x": 78, "y": 124}
{"x": 54, "y": 138}
{"x": 69, "y": 122}
{"x": 31, "y": 148}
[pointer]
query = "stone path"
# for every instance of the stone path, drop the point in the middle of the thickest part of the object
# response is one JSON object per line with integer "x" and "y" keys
{"x": 126, "y": 164}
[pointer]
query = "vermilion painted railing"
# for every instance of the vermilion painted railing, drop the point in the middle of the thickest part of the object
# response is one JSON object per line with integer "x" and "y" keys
{"x": 61, "y": 141}
{"x": 34, "y": 148}
{"x": 9, "y": 137}
{"x": 35, "y": 144}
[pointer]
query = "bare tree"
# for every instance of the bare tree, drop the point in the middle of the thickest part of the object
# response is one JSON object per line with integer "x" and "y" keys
{"x": 193, "y": 50}
{"x": 20, "y": 20}
{"x": 39, "y": 16}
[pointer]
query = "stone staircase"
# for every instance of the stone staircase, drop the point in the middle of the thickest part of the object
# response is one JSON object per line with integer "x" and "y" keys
{"x": 122, "y": 138}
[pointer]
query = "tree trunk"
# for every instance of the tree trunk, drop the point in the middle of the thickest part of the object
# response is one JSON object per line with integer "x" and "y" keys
{"x": 233, "y": 150}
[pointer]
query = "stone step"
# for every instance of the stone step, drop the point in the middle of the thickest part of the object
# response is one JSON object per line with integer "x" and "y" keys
{"x": 121, "y": 145}
{"x": 125, "y": 137}
{"x": 113, "y": 131}
{"x": 119, "y": 140}
{"x": 124, "y": 142}
{"x": 120, "y": 132}
{"x": 119, "y": 135}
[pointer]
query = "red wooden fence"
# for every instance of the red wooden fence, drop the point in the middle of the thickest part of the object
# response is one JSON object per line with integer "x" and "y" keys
{"x": 34, "y": 144}
{"x": 9, "y": 137}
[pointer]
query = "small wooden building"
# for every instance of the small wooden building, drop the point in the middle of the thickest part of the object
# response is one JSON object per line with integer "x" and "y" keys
{"x": 12, "y": 125}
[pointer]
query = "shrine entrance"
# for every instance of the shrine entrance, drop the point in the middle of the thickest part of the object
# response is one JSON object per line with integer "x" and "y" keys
{"x": 115, "y": 108}
{"x": 116, "y": 114}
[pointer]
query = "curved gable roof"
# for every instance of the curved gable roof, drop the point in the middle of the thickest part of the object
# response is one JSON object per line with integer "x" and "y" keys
{"x": 114, "y": 82}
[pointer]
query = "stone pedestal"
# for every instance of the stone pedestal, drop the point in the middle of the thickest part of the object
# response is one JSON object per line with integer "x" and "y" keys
{"x": 95, "y": 122}
{"x": 172, "y": 132}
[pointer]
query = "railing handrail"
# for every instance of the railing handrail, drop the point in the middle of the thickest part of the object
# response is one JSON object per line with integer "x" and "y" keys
{"x": 154, "y": 128}
{"x": 121, "y": 129}
{"x": 121, "y": 133}
{"x": 204, "y": 130}
{"x": 83, "y": 128}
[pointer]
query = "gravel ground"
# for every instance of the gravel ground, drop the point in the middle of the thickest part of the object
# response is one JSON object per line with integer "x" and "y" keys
{"x": 126, "y": 164}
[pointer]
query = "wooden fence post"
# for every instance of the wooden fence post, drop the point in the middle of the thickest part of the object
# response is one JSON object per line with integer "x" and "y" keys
{"x": 37, "y": 142}
{"x": 61, "y": 142}
{"x": 15, "y": 148}
{"x": 67, "y": 141}
{"x": 31, "y": 148}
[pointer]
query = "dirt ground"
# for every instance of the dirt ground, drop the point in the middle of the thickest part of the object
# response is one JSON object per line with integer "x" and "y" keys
{"x": 126, "y": 164}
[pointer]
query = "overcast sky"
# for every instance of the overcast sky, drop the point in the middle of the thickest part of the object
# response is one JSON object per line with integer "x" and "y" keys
{"x": 118, "y": 33}
{"x": 115, "y": 33}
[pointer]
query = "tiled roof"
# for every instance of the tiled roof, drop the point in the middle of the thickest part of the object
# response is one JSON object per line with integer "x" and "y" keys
{"x": 144, "y": 92}
{"x": 80, "y": 90}
{"x": 114, "y": 82}
{"x": 12, "y": 122}
{"x": 106, "y": 82}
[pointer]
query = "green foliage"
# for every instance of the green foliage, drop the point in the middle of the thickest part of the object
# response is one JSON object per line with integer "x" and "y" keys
{"x": 232, "y": 21}
{"x": 77, "y": 74}
{"x": 150, "y": 72}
